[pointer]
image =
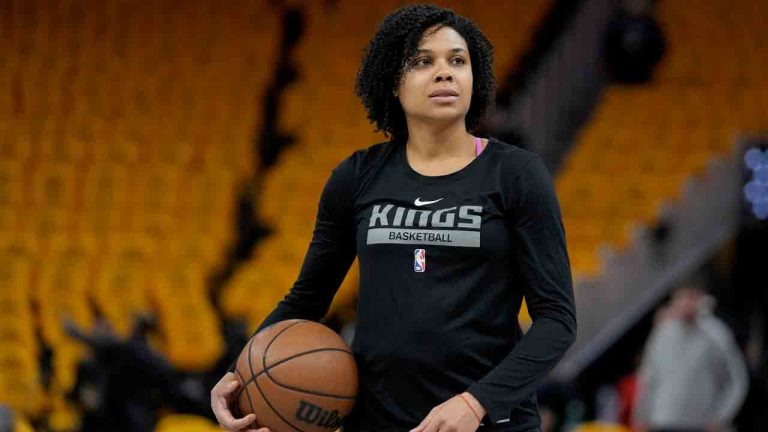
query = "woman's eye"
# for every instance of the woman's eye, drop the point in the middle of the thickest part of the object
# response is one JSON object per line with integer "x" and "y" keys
{"x": 458, "y": 60}
{"x": 422, "y": 62}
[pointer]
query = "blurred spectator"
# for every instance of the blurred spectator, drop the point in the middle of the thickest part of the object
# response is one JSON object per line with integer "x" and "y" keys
{"x": 607, "y": 404}
{"x": 693, "y": 376}
{"x": 124, "y": 382}
{"x": 634, "y": 43}
{"x": 6, "y": 419}
{"x": 627, "y": 388}
{"x": 558, "y": 406}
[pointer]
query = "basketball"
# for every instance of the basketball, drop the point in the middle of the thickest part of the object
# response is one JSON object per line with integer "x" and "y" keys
{"x": 296, "y": 375}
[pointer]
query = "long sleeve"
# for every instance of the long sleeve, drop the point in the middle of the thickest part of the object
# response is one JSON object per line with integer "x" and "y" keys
{"x": 734, "y": 376}
{"x": 542, "y": 259}
{"x": 331, "y": 252}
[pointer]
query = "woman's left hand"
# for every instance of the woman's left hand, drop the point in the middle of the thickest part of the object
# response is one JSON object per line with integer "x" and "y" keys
{"x": 454, "y": 415}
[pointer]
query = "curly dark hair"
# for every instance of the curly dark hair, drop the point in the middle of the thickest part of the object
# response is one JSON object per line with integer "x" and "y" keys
{"x": 386, "y": 60}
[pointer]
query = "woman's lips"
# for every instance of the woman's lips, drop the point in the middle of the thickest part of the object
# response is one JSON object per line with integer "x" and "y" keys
{"x": 444, "y": 98}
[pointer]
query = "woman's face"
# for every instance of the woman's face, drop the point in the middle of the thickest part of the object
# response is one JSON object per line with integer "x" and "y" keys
{"x": 438, "y": 85}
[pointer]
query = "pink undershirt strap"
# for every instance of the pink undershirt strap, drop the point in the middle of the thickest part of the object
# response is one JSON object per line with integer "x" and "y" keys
{"x": 478, "y": 146}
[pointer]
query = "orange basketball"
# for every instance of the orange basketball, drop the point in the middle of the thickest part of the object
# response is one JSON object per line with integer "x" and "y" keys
{"x": 297, "y": 375}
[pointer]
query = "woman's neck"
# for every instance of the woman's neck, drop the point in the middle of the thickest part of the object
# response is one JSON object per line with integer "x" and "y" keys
{"x": 437, "y": 142}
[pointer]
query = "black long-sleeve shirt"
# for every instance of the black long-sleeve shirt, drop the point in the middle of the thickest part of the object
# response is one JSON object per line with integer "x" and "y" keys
{"x": 445, "y": 262}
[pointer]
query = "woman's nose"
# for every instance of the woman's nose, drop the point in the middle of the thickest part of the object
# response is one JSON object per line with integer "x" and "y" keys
{"x": 443, "y": 76}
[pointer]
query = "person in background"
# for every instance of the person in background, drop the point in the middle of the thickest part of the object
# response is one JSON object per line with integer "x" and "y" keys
{"x": 693, "y": 376}
{"x": 634, "y": 43}
{"x": 124, "y": 382}
{"x": 6, "y": 418}
{"x": 627, "y": 388}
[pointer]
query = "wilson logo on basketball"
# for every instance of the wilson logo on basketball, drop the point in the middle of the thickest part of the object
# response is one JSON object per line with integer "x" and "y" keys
{"x": 315, "y": 415}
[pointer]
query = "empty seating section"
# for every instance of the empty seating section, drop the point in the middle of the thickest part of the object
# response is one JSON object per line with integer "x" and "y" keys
{"x": 125, "y": 129}
{"x": 330, "y": 123}
{"x": 644, "y": 141}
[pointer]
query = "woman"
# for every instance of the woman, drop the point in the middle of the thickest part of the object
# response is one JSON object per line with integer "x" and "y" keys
{"x": 451, "y": 232}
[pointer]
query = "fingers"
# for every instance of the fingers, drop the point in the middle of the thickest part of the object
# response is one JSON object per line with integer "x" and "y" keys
{"x": 219, "y": 403}
{"x": 226, "y": 385}
{"x": 434, "y": 425}
{"x": 231, "y": 386}
{"x": 226, "y": 419}
{"x": 233, "y": 424}
{"x": 219, "y": 397}
{"x": 221, "y": 410}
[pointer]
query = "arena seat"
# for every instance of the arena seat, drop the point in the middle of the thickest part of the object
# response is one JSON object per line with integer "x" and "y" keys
{"x": 21, "y": 424}
{"x": 185, "y": 423}
{"x": 600, "y": 427}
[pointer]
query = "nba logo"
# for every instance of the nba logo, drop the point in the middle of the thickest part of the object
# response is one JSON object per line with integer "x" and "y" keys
{"x": 419, "y": 260}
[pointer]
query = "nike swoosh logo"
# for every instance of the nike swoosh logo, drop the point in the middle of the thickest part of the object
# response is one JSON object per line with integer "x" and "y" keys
{"x": 420, "y": 203}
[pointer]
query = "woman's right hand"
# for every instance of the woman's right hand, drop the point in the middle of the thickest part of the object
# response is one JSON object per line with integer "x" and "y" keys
{"x": 220, "y": 396}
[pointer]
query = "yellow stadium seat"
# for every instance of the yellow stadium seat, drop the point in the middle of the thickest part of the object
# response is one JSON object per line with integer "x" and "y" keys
{"x": 17, "y": 331}
{"x": 601, "y": 427}
{"x": 584, "y": 260}
{"x": 105, "y": 187}
{"x": 185, "y": 423}
{"x": 11, "y": 183}
{"x": 120, "y": 291}
{"x": 21, "y": 424}
{"x": 189, "y": 345}
{"x": 21, "y": 391}
{"x": 63, "y": 284}
{"x": 64, "y": 415}
{"x": 53, "y": 186}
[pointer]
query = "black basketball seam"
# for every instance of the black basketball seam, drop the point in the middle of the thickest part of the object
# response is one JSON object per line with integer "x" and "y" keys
{"x": 265, "y": 371}
{"x": 247, "y": 393}
{"x": 298, "y": 390}
{"x": 263, "y": 396}
{"x": 264, "y": 354}
{"x": 266, "y": 350}
{"x": 316, "y": 393}
{"x": 239, "y": 391}
{"x": 264, "y": 365}
{"x": 250, "y": 366}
